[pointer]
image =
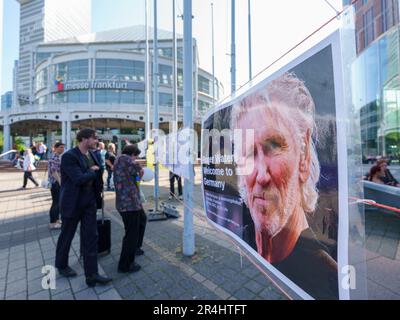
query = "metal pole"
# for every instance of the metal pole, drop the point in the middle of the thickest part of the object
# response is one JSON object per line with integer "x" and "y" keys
{"x": 147, "y": 72}
{"x": 213, "y": 52}
{"x": 188, "y": 232}
{"x": 250, "y": 53}
{"x": 155, "y": 102}
{"x": 174, "y": 85}
{"x": 175, "y": 63}
{"x": 233, "y": 50}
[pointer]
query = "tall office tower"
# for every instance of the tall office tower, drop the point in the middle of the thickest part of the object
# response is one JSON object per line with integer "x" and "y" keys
{"x": 44, "y": 21}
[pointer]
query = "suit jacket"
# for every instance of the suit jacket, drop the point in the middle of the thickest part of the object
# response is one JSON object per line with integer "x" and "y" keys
{"x": 75, "y": 177}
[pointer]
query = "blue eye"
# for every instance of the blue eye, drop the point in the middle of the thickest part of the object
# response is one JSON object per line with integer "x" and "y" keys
{"x": 274, "y": 145}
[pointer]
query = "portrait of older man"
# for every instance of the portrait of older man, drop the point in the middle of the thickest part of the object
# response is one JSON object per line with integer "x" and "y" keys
{"x": 280, "y": 185}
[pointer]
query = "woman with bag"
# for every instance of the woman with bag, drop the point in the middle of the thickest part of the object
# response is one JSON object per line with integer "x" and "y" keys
{"x": 29, "y": 168}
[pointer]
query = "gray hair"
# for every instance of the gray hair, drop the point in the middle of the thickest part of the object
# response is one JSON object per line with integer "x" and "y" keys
{"x": 291, "y": 91}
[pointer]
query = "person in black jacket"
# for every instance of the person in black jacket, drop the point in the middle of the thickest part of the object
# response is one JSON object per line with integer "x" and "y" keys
{"x": 80, "y": 197}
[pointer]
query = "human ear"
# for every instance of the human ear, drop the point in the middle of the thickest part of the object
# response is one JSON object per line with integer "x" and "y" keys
{"x": 305, "y": 158}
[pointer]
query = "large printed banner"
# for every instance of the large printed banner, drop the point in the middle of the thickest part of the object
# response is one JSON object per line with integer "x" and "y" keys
{"x": 275, "y": 172}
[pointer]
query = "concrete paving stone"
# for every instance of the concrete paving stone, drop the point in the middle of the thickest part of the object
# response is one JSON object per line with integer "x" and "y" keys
{"x": 110, "y": 295}
{"x": 251, "y": 271}
{"x": 87, "y": 294}
{"x": 222, "y": 294}
{"x": 378, "y": 292}
{"x": 159, "y": 275}
{"x": 198, "y": 277}
{"x": 151, "y": 268}
{"x": 42, "y": 295}
{"x": 4, "y": 264}
{"x": 142, "y": 282}
{"x": 271, "y": 294}
{"x": 218, "y": 279}
{"x": 101, "y": 289}
{"x": 16, "y": 249}
{"x": 35, "y": 273}
{"x": 161, "y": 296}
{"x": 16, "y": 275}
{"x": 62, "y": 284}
{"x": 15, "y": 265}
{"x": 17, "y": 257}
{"x": 244, "y": 294}
{"x": 19, "y": 296}
{"x": 137, "y": 296}
{"x": 33, "y": 264}
{"x": 230, "y": 286}
{"x": 188, "y": 284}
{"x": 122, "y": 281}
{"x": 262, "y": 280}
{"x": 78, "y": 283}
{"x": 108, "y": 260}
{"x": 209, "y": 285}
{"x": 150, "y": 291}
{"x": 127, "y": 291}
{"x": 50, "y": 254}
{"x": 34, "y": 286}
{"x": 174, "y": 292}
{"x": 186, "y": 296}
{"x": 254, "y": 286}
{"x": 66, "y": 295}
{"x": 166, "y": 283}
{"x": 16, "y": 287}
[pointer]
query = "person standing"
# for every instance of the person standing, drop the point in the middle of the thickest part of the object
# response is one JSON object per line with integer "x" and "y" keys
{"x": 80, "y": 197}
{"x": 42, "y": 149}
{"x": 127, "y": 173}
{"x": 29, "y": 167}
{"x": 55, "y": 181}
{"x": 172, "y": 177}
{"x": 110, "y": 159}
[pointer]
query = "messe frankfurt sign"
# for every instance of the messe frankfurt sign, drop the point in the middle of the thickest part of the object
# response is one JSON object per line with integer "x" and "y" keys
{"x": 99, "y": 85}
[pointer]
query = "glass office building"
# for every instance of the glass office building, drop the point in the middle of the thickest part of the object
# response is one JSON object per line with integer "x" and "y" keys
{"x": 376, "y": 83}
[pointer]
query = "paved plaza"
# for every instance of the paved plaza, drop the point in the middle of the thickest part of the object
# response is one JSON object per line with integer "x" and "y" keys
{"x": 217, "y": 271}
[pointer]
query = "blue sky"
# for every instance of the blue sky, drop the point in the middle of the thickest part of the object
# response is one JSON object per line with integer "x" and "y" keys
{"x": 277, "y": 26}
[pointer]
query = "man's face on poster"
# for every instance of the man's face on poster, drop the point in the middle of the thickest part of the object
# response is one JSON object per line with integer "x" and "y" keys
{"x": 273, "y": 186}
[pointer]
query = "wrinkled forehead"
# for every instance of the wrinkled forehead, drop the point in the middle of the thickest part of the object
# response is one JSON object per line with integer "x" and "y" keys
{"x": 272, "y": 115}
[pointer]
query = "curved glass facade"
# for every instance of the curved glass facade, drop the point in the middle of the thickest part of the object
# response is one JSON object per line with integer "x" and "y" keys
{"x": 117, "y": 69}
{"x": 110, "y": 81}
{"x": 119, "y": 96}
{"x": 72, "y": 70}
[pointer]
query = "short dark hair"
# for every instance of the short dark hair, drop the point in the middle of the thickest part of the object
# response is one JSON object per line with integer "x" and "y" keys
{"x": 131, "y": 149}
{"x": 58, "y": 144}
{"x": 86, "y": 133}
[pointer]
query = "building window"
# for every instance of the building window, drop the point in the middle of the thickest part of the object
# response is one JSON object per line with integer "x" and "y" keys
{"x": 204, "y": 85}
{"x": 78, "y": 96}
{"x": 369, "y": 32}
{"x": 41, "y": 80}
{"x": 115, "y": 69}
{"x": 40, "y": 56}
{"x": 73, "y": 70}
{"x": 388, "y": 14}
{"x": 203, "y": 106}
{"x": 119, "y": 97}
{"x": 165, "y": 99}
{"x": 165, "y": 75}
{"x": 180, "y": 78}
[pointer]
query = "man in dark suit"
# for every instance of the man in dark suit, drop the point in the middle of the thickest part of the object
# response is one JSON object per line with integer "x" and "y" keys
{"x": 80, "y": 197}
